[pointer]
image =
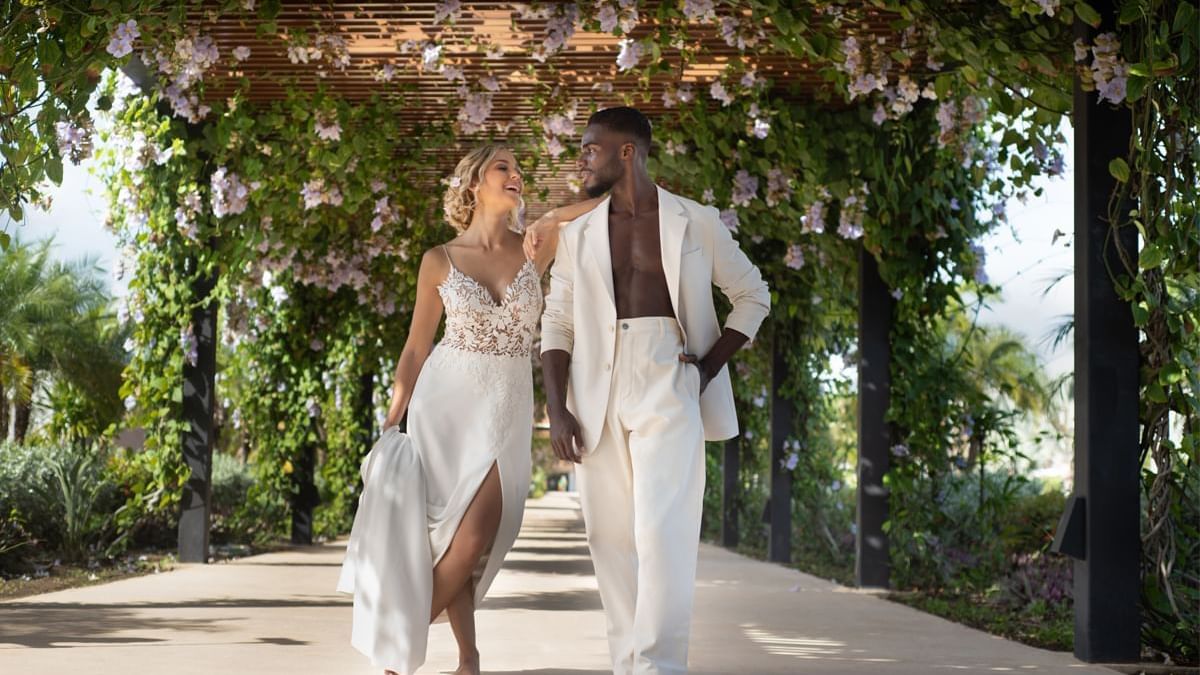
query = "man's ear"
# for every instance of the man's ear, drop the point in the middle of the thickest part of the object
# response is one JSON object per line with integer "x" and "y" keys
{"x": 628, "y": 151}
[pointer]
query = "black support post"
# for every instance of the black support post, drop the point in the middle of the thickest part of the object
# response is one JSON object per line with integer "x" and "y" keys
{"x": 779, "y": 546}
{"x": 1107, "y": 579}
{"x": 729, "y": 494}
{"x": 199, "y": 396}
{"x": 306, "y": 497}
{"x": 871, "y": 564}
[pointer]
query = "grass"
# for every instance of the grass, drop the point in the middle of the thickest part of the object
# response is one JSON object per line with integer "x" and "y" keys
{"x": 1037, "y": 624}
{"x": 56, "y": 577}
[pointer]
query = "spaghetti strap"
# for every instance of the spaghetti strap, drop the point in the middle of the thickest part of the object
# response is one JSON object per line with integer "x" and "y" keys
{"x": 448, "y": 258}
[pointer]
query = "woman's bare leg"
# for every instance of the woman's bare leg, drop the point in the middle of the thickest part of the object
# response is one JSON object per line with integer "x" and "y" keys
{"x": 451, "y": 577}
{"x": 462, "y": 622}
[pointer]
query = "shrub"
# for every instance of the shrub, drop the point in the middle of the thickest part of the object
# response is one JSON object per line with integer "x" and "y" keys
{"x": 57, "y": 499}
{"x": 231, "y": 483}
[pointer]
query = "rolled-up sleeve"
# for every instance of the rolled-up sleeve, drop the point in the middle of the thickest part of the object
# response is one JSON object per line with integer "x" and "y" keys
{"x": 558, "y": 321}
{"x": 739, "y": 280}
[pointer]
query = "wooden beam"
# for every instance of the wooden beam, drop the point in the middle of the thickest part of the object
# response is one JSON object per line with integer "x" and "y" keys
{"x": 872, "y": 568}
{"x": 1107, "y": 582}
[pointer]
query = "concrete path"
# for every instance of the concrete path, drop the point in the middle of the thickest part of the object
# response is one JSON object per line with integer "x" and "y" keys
{"x": 277, "y": 613}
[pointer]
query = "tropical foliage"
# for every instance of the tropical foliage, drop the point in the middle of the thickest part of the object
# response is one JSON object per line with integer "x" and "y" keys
{"x": 303, "y": 219}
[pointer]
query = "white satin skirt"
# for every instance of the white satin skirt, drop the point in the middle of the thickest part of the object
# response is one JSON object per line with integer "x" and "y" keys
{"x": 468, "y": 411}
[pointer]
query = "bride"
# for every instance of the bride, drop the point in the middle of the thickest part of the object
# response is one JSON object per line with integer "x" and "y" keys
{"x": 442, "y": 504}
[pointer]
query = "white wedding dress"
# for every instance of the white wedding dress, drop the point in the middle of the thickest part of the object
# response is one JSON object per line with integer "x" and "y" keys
{"x": 472, "y": 406}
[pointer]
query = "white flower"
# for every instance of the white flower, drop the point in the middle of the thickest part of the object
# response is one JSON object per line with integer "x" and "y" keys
{"x": 1081, "y": 50}
{"x": 880, "y": 114}
{"x": 447, "y": 9}
{"x": 761, "y": 128}
{"x": 708, "y": 197}
{"x": 631, "y": 52}
{"x": 672, "y": 148}
{"x": 699, "y": 10}
{"x": 327, "y": 128}
{"x": 717, "y": 91}
{"x": 130, "y": 402}
{"x": 608, "y": 18}
{"x": 794, "y": 258}
{"x": 386, "y": 73}
{"x": 555, "y": 146}
{"x": 745, "y": 188}
{"x": 74, "y": 142}
{"x": 430, "y": 56}
{"x": 1048, "y": 6}
{"x": 241, "y": 53}
{"x": 121, "y": 43}
{"x": 730, "y": 218}
{"x": 489, "y": 83}
{"x": 900, "y": 450}
{"x": 455, "y": 181}
{"x": 229, "y": 194}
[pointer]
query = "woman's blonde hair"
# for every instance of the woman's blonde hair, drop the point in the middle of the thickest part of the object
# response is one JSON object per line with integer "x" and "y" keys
{"x": 460, "y": 200}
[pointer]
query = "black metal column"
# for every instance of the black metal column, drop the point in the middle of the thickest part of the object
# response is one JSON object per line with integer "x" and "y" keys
{"x": 731, "y": 466}
{"x": 872, "y": 568}
{"x": 1107, "y": 579}
{"x": 306, "y": 497}
{"x": 779, "y": 546}
{"x": 199, "y": 397}
{"x": 366, "y": 411}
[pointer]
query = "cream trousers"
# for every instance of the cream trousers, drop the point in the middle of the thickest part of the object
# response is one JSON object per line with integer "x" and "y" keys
{"x": 642, "y": 490}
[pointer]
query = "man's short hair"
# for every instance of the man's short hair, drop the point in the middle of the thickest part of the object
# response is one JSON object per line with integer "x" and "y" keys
{"x": 625, "y": 120}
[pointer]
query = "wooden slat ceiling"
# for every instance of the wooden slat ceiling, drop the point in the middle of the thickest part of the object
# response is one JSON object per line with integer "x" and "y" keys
{"x": 375, "y": 32}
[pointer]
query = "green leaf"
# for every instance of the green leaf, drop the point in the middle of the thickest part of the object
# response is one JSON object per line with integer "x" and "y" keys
{"x": 1130, "y": 12}
{"x": 54, "y": 170}
{"x": 5, "y": 240}
{"x": 1087, "y": 14}
{"x": 1119, "y": 169}
{"x": 1150, "y": 257}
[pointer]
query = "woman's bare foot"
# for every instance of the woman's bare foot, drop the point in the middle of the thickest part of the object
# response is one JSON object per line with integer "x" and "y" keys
{"x": 468, "y": 665}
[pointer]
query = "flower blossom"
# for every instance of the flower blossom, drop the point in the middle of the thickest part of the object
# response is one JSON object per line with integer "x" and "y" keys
{"x": 121, "y": 43}
{"x": 328, "y": 128}
{"x": 631, "y": 53}
{"x": 745, "y": 188}
{"x": 730, "y": 218}
{"x": 718, "y": 92}
{"x": 229, "y": 195}
{"x": 794, "y": 258}
{"x": 699, "y": 10}
{"x": 779, "y": 187}
{"x": 74, "y": 141}
{"x": 447, "y": 9}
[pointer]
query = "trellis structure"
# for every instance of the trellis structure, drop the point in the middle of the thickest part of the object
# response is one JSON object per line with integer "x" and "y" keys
{"x": 1105, "y": 527}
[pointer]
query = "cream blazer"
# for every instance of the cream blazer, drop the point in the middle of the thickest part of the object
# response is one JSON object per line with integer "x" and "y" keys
{"x": 698, "y": 252}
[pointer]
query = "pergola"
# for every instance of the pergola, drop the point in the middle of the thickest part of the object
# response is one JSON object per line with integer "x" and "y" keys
{"x": 1101, "y": 526}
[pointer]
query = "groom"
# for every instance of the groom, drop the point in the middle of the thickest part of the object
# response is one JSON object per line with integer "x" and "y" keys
{"x": 634, "y": 362}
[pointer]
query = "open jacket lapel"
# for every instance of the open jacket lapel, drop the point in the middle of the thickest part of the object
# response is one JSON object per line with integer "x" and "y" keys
{"x": 595, "y": 239}
{"x": 672, "y": 224}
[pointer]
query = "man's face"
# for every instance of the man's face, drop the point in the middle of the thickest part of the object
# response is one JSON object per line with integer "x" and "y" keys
{"x": 600, "y": 165}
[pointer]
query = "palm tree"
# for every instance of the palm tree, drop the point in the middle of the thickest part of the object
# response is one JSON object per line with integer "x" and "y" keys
{"x": 50, "y": 315}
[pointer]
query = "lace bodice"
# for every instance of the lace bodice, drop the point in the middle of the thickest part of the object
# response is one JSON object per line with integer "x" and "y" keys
{"x": 476, "y": 323}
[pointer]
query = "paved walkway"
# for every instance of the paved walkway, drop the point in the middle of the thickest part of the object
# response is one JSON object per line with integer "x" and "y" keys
{"x": 277, "y": 613}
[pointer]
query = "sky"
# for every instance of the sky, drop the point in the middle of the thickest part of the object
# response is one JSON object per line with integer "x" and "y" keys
{"x": 1020, "y": 256}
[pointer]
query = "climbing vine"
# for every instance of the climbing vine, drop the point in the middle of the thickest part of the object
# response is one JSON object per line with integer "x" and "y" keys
{"x": 310, "y": 212}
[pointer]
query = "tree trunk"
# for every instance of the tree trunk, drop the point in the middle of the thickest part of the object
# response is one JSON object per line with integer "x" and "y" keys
{"x": 3, "y": 414}
{"x": 24, "y": 411}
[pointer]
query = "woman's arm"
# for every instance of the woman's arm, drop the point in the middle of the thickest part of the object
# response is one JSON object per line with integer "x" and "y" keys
{"x": 541, "y": 238}
{"x": 427, "y": 313}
